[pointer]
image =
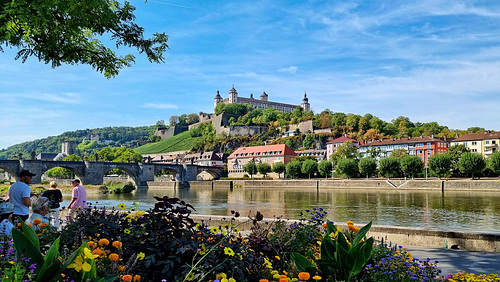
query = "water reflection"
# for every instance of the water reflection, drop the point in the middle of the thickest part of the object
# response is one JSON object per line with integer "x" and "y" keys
{"x": 461, "y": 211}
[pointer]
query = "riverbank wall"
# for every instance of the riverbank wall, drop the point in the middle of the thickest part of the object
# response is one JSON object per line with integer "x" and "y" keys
{"x": 383, "y": 184}
{"x": 404, "y": 236}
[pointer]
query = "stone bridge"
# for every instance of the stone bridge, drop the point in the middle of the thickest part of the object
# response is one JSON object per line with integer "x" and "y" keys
{"x": 93, "y": 172}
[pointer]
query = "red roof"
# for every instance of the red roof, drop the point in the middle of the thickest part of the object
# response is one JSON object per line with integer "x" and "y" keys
{"x": 259, "y": 151}
{"x": 342, "y": 140}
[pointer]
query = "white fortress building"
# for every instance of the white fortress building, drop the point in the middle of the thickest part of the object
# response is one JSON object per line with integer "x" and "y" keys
{"x": 262, "y": 103}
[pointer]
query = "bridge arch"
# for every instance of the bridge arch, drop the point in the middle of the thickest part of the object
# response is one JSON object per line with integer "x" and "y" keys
{"x": 131, "y": 171}
{"x": 215, "y": 172}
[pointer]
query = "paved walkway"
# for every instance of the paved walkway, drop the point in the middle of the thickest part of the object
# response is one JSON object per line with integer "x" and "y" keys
{"x": 452, "y": 260}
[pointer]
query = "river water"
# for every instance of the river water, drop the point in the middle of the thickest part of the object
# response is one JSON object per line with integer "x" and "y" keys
{"x": 451, "y": 211}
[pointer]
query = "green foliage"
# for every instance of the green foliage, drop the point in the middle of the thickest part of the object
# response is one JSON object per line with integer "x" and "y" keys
{"x": 411, "y": 165}
{"x": 345, "y": 151}
{"x": 179, "y": 142}
{"x": 293, "y": 169}
{"x": 389, "y": 167}
{"x": 455, "y": 152}
{"x": 308, "y": 141}
{"x": 250, "y": 168}
{"x": 494, "y": 162}
{"x": 340, "y": 259}
{"x": 264, "y": 168}
{"x": 347, "y": 167}
{"x": 440, "y": 164}
{"x": 120, "y": 135}
{"x": 471, "y": 163}
{"x": 69, "y": 32}
{"x": 73, "y": 158}
{"x": 325, "y": 168}
{"x": 59, "y": 172}
{"x": 367, "y": 166}
{"x": 399, "y": 153}
{"x": 125, "y": 189}
{"x": 278, "y": 168}
{"x": 309, "y": 167}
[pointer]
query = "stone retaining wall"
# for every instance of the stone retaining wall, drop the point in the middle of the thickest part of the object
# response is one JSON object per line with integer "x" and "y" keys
{"x": 404, "y": 236}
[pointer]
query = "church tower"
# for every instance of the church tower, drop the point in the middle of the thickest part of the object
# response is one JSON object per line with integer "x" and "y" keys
{"x": 233, "y": 96}
{"x": 264, "y": 96}
{"x": 217, "y": 99}
{"x": 305, "y": 103}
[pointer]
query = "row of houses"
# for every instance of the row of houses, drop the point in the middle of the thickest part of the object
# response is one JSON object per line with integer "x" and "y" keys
{"x": 424, "y": 147}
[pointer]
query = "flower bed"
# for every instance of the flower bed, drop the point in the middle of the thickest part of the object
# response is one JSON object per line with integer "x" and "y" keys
{"x": 166, "y": 244}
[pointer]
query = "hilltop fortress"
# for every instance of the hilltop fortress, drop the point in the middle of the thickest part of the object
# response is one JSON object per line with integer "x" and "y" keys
{"x": 262, "y": 103}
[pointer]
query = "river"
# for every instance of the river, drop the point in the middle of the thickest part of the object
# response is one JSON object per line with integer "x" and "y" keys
{"x": 450, "y": 211}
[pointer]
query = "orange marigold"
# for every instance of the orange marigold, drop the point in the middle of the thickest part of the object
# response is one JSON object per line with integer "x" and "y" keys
{"x": 304, "y": 276}
{"x": 97, "y": 251}
{"x": 283, "y": 278}
{"x": 263, "y": 280}
{"x": 137, "y": 278}
{"x": 356, "y": 229}
{"x": 127, "y": 278}
{"x": 37, "y": 221}
{"x": 350, "y": 223}
{"x": 103, "y": 242}
{"x": 114, "y": 257}
{"x": 91, "y": 244}
{"x": 117, "y": 244}
{"x": 122, "y": 268}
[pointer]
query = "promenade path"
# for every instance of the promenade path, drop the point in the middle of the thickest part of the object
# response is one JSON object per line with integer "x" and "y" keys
{"x": 452, "y": 260}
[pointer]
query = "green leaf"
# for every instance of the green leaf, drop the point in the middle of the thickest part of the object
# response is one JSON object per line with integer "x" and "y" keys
{"x": 327, "y": 248}
{"x": 343, "y": 241}
{"x": 301, "y": 262}
{"x": 344, "y": 256}
{"x": 49, "y": 259}
{"x": 361, "y": 233}
{"x": 330, "y": 227}
{"x": 31, "y": 234}
{"x": 25, "y": 246}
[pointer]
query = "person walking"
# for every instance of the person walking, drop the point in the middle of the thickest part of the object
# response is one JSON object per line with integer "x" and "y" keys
{"x": 78, "y": 198}
{"x": 19, "y": 195}
{"x": 55, "y": 198}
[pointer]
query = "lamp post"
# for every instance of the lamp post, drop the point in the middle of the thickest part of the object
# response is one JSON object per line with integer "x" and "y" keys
{"x": 333, "y": 171}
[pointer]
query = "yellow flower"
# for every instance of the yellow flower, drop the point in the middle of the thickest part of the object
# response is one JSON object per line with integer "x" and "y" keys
{"x": 140, "y": 256}
{"x": 117, "y": 244}
{"x": 103, "y": 242}
{"x": 121, "y": 206}
{"x": 126, "y": 231}
{"x": 140, "y": 213}
{"x": 304, "y": 276}
{"x": 224, "y": 280}
{"x": 317, "y": 277}
{"x": 228, "y": 251}
{"x": 277, "y": 257}
{"x": 232, "y": 280}
{"x": 79, "y": 264}
{"x": 37, "y": 221}
{"x": 267, "y": 263}
{"x": 88, "y": 254}
{"x": 276, "y": 276}
{"x": 190, "y": 276}
{"x": 214, "y": 230}
{"x": 137, "y": 278}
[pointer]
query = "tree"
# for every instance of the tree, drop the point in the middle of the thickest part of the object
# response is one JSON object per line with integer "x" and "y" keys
{"x": 389, "y": 167}
{"x": 173, "y": 120}
{"x": 411, "y": 165}
{"x": 440, "y": 164}
{"x": 192, "y": 118}
{"x": 278, "y": 168}
{"x": 471, "y": 163}
{"x": 455, "y": 152}
{"x": 264, "y": 168}
{"x": 367, "y": 166}
{"x": 345, "y": 151}
{"x": 293, "y": 169}
{"x": 399, "y": 153}
{"x": 72, "y": 158}
{"x": 325, "y": 168}
{"x": 309, "y": 166}
{"x": 347, "y": 167}
{"x": 59, "y": 172}
{"x": 374, "y": 152}
{"x": 494, "y": 162}
{"x": 67, "y": 32}
{"x": 308, "y": 141}
{"x": 250, "y": 168}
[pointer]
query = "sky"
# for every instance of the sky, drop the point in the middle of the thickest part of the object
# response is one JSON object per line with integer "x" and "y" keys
{"x": 429, "y": 60}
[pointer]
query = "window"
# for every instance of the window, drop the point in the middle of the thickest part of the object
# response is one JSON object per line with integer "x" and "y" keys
{"x": 474, "y": 143}
{"x": 474, "y": 150}
{"x": 493, "y": 142}
{"x": 428, "y": 152}
{"x": 487, "y": 142}
{"x": 428, "y": 145}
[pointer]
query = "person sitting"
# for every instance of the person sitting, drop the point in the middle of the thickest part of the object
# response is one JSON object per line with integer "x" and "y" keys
{"x": 6, "y": 225}
{"x": 40, "y": 207}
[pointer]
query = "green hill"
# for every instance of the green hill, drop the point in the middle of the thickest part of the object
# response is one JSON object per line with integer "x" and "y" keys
{"x": 119, "y": 135}
{"x": 179, "y": 142}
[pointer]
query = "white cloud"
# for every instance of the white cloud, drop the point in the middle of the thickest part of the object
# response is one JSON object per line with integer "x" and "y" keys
{"x": 160, "y": 106}
{"x": 290, "y": 69}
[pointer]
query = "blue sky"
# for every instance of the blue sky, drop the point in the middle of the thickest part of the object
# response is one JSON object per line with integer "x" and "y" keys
{"x": 429, "y": 60}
